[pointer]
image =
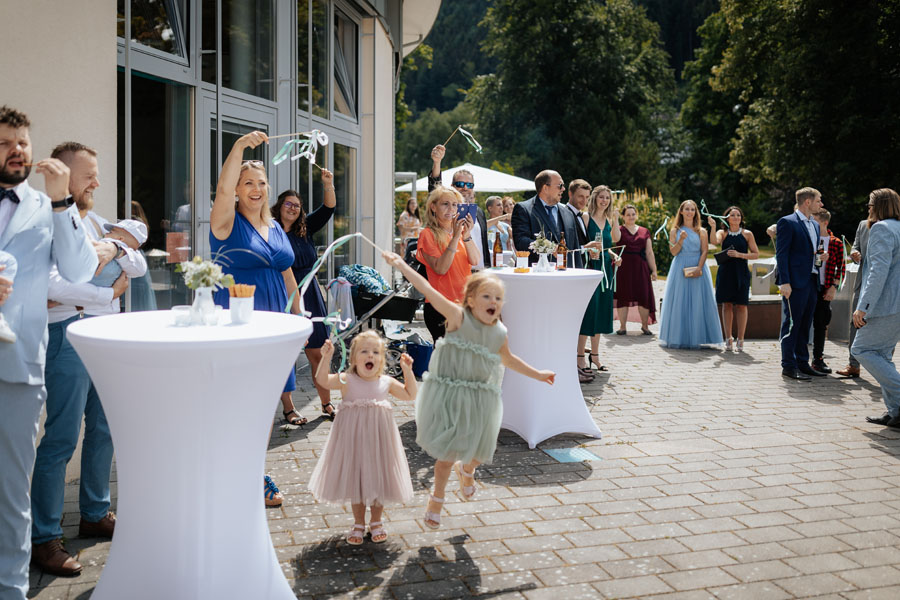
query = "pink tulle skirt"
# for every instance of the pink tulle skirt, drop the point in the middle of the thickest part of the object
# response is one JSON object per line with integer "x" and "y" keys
{"x": 363, "y": 461}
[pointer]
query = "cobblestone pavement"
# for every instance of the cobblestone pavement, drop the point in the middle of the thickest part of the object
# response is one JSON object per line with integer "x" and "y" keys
{"x": 716, "y": 479}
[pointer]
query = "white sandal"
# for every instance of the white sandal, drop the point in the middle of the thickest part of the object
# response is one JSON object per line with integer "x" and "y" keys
{"x": 433, "y": 517}
{"x": 468, "y": 491}
{"x": 352, "y": 534}
{"x": 728, "y": 344}
{"x": 376, "y": 529}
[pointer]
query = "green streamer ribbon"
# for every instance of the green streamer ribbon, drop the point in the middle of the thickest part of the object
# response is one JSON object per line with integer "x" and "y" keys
{"x": 847, "y": 259}
{"x": 705, "y": 212}
{"x": 662, "y": 229}
{"x": 790, "y": 321}
{"x": 307, "y": 147}
{"x": 471, "y": 139}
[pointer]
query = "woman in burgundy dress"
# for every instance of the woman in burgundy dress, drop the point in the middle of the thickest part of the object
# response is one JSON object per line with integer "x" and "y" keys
{"x": 638, "y": 270}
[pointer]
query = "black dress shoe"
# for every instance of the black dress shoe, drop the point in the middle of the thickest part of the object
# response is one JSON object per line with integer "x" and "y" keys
{"x": 820, "y": 366}
{"x": 894, "y": 422}
{"x": 882, "y": 420}
{"x": 808, "y": 370}
{"x": 795, "y": 374}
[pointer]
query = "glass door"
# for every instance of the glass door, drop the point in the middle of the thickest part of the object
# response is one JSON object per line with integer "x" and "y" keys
{"x": 236, "y": 121}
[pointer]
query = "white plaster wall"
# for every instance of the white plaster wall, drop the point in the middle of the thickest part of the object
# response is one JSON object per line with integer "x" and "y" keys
{"x": 58, "y": 66}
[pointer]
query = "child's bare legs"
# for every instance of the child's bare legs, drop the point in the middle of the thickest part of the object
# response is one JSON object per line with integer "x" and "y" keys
{"x": 375, "y": 517}
{"x": 441, "y": 475}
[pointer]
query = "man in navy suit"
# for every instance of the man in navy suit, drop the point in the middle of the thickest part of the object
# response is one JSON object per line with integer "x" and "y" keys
{"x": 798, "y": 279}
{"x": 542, "y": 213}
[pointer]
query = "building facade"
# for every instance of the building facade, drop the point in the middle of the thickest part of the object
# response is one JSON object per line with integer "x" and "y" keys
{"x": 197, "y": 74}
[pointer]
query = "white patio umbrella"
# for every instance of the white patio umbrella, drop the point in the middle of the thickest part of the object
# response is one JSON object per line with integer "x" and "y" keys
{"x": 486, "y": 180}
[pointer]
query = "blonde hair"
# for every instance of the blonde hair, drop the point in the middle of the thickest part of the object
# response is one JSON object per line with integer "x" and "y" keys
{"x": 440, "y": 236}
{"x": 804, "y": 194}
{"x": 679, "y": 218}
{"x": 368, "y": 335}
{"x": 592, "y": 202}
{"x": 265, "y": 212}
{"x": 475, "y": 282}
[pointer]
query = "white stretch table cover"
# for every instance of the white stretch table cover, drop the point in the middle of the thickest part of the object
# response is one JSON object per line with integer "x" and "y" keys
{"x": 190, "y": 409}
{"x": 543, "y": 313}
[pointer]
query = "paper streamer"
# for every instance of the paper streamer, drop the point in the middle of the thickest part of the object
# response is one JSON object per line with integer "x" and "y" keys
{"x": 705, "y": 212}
{"x": 662, "y": 228}
{"x": 307, "y": 147}
{"x": 471, "y": 139}
{"x": 790, "y": 321}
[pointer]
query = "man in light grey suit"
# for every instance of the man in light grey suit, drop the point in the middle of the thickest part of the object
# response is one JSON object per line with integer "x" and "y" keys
{"x": 857, "y": 255}
{"x": 39, "y": 230}
{"x": 877, "y": 316}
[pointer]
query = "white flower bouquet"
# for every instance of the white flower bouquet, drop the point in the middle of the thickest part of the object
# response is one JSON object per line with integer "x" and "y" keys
{"x": 541, "y": 245}
{"x": 199, "y": 273}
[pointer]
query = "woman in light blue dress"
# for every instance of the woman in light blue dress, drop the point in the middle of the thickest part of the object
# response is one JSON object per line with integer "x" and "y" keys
{"x": 690, "y": 317}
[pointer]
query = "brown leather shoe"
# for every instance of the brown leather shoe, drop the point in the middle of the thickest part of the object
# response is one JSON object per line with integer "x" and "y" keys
{"x": 102, "y": 528}
{"x": 51, "y": 557}
{"x": 849, "y": 371}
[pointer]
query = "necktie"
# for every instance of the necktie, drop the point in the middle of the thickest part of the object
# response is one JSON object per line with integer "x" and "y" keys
{"x": 9, "y": 193}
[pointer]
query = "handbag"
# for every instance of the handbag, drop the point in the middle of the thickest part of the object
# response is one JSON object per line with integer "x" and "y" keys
{"x": 691, "y": 272}
{"x": 721, "y": 257}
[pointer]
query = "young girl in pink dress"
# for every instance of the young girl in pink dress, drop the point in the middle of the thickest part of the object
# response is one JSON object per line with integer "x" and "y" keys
{"x": 363, "y": 462}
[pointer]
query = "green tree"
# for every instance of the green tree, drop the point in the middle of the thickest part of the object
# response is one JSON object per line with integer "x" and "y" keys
{"x": 818, "y": 87}
{"x": 580, "y": 87}
{"x": 422, "y": 57}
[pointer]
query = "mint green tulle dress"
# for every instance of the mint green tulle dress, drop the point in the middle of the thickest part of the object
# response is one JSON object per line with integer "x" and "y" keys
{"x": 458, "y": 407}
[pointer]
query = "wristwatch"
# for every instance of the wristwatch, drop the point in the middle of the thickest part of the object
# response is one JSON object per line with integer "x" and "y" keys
{"x": 64, "y": 203}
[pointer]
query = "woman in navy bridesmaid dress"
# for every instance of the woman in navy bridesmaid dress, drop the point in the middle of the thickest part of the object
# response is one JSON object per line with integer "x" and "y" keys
{"x": 253, "y": 248}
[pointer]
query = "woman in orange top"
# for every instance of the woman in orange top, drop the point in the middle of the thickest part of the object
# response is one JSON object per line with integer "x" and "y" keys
{"x": 447, "y": 251}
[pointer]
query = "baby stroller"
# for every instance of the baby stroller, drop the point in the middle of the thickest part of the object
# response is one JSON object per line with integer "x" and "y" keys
{"x": 372, "y": 307}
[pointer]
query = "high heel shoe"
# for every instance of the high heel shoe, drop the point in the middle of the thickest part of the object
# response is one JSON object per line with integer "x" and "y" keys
{"x": 586, "y": 370}
{"x": 728, "y": 345}
{"x": 740, "y": 346}
{"x": 596, "y": 362}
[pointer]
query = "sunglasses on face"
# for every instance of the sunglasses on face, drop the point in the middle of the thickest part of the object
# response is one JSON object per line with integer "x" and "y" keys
{"x": 254, "y": 163}
{"x": 291, "y": 205}
{"x": 464, "y": 184}
{"x": 562, "y": 186}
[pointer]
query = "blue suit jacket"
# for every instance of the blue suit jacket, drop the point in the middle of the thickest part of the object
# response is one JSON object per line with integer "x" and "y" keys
{"x": 794, "y": 251}
{"x": 38, "y": 237}
{"x": 880, "y": 292}
{"x": 530, "y": 218}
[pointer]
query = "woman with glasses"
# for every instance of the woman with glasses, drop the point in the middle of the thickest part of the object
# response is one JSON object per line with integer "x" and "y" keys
{"x": 300, "y": 229}
{"x": 447, "y": 250}
{"x": 252, "y": 248}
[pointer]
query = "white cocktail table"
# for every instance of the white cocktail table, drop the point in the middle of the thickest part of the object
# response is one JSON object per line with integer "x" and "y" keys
{"x": 543, "y": 313}
{"x": 189, "y": 410}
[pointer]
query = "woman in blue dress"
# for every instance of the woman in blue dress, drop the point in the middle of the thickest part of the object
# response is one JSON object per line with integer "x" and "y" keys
{"x": 253, "y": 248}
{"x": 300, "y": 229}
{"x": 690, "y": 318}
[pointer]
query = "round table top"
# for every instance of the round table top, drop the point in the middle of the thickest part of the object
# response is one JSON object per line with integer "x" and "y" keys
{"x": 570, "y": 273}
{"x": 157, "y": 327}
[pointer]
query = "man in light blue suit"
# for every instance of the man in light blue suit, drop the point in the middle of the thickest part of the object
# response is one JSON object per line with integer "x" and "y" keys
{"x": 877, "y": 315}
{"x": 798, "y": 280}
{"x": 39, "y": 230}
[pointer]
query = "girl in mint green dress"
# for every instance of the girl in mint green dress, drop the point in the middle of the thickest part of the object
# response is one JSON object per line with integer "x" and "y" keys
{"x": 458, "y": 407}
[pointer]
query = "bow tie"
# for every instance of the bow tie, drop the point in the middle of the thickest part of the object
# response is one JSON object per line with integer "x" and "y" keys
{"x": 9, "y": 193}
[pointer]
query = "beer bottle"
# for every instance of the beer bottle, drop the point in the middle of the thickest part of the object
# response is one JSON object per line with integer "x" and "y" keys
{"x": 561, "y": 252}
{"x": 498, "y": 250}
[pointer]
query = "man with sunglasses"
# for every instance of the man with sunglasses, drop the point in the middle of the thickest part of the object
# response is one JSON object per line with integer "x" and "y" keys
{"x": 464, "y": 183}
{"x": 542, "y": 213}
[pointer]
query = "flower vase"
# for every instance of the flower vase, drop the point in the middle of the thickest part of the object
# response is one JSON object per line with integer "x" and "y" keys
{"x": 203, "y": 309}
{"x": 543, "y": 265}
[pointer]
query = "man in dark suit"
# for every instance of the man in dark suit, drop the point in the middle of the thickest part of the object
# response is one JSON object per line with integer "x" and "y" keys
{"x": 464, "y": 182}
{"x": 542, "y": 213}
{"x": 798, "y": 280}
{"x": 579, "y": 194}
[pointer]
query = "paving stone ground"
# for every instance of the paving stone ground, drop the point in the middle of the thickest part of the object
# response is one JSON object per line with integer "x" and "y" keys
{"x": 717, "y": 479}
